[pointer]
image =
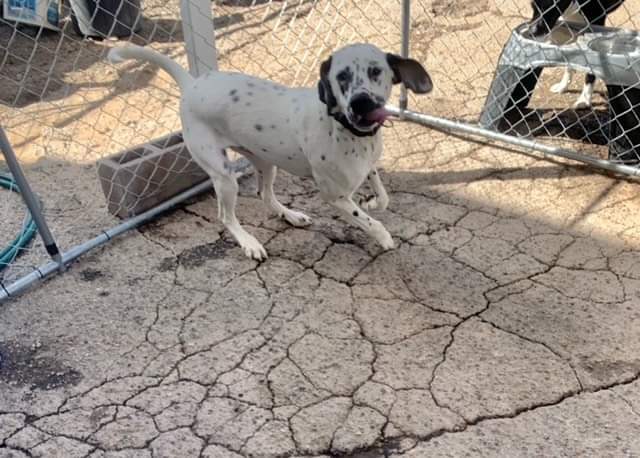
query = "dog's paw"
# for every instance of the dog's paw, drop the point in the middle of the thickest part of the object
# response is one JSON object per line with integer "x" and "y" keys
{"x": 297, "y": 219}
{"x": 252, "y": 248}
{"x": 582, "y": 103}
{"x": 559, "y": 88}
{"x": 386, "y": 242}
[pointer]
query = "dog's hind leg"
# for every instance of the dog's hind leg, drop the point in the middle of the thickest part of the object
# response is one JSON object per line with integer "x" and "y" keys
{"x": 266, "y": 177}
{"x": 380, "y": 198}
{"x": 586, "y": 96}
{"x": 209, "y": 152}
{"x": 561, "y": 86}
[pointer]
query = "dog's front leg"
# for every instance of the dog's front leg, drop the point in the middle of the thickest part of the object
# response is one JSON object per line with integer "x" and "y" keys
{"x": 356, "y": 216}
{"x": 380, "y": 199}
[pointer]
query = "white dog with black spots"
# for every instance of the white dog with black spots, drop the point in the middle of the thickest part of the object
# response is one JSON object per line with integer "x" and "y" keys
{"x": 330, "y": 133}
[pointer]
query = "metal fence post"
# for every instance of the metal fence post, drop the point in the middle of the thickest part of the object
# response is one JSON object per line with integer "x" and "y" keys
{"x": 29, "y": 199}
{"x": 404, "y": 52}
{"x": 199, "y": 35}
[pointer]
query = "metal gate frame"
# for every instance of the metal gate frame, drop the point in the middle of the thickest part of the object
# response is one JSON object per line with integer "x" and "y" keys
{"x": 476, "y": 130}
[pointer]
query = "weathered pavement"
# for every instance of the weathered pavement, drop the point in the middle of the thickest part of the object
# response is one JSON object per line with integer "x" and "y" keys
{"x": 506, "y": 323}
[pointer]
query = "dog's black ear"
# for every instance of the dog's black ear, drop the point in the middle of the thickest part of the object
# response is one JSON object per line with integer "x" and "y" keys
{"x": 324, "y": 86}
{"x": 411, "y": 73}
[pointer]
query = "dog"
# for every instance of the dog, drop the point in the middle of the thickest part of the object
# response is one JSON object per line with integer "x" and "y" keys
{"x": 331, "y": 133}
{"x": 580, "y": 13}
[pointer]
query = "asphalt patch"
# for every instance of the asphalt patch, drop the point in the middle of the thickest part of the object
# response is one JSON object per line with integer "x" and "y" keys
{"x": 22, "y": 365}
{"x": 91, "y": 274}
{"x": 385, "y": 450}
{"x": 197, "y": 256}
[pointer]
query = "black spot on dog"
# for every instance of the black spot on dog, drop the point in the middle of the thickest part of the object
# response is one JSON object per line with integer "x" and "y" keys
{"x": 322, "y": 157}
{"x": 355, "y": 213}
{"x": 233, "y": 92}
{"x": 345, "y": 78}
{"x": 249, "y": 93}
{"x": 265, "y": 150}
{"x": 273, "y": 126}
{"x": 258, "y": 127}
{"x": 235, "y": 99}
{"x": 250, "y": 84}
{"x": 290, "y": 158}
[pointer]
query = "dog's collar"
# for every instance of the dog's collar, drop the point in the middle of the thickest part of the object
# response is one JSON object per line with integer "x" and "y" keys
{"x": 342, "y": 119}
{"x": 326, "y": 96}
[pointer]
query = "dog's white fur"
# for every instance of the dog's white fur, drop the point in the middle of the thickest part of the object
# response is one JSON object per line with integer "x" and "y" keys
{"x": 275, "y": 126}
{"x": 560, "y": 36}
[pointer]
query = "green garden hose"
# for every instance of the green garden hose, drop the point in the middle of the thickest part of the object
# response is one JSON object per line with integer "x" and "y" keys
{"x": 9, "y": 253}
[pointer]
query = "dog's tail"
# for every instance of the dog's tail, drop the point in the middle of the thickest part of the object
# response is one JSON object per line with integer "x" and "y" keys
{"x": 178, "y": 73}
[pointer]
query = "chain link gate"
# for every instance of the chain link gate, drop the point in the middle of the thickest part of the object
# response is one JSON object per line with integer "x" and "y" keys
{"x": 491, "y": 79}
{"x": 67, "y": 112}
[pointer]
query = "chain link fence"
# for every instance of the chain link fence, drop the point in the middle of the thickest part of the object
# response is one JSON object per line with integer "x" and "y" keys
{"x": 98, "y": 140}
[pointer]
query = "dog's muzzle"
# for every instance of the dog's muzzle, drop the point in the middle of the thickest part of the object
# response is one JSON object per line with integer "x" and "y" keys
{"x": 366, "y": 113}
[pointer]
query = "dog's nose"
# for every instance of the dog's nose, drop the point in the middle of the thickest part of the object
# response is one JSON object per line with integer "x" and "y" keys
{"x": 362, "y": 104}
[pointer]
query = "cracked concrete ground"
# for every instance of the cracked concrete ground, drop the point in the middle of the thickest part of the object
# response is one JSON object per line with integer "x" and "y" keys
{"x": 506, "y": 323}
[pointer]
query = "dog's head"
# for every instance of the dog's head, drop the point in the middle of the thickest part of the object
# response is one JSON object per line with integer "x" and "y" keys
{"x": 356, "y": 82}
{"x": 545, "y": 14}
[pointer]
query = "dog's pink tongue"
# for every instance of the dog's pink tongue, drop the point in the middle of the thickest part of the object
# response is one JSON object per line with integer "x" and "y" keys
{"x": 378, "y": 115}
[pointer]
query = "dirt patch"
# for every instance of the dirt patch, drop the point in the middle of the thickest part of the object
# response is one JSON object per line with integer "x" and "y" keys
{"x": 39, "y": 62}
{"x": 458, "y": 8}
{"x": 26, "y": 366}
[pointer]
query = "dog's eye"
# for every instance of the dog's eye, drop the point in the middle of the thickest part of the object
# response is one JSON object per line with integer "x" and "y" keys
{"x": 343, "y": 76}
{"x": 374, "y": 72}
